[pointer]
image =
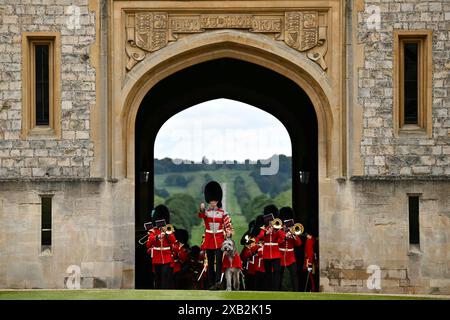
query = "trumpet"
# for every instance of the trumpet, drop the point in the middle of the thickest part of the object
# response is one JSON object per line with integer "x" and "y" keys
{"x": 168, "y": 229}
{"x": 297, "y": 229}
{"x": 276, "y": 223}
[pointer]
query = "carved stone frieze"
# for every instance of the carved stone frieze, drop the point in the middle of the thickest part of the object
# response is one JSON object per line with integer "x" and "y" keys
{"x": 148, "y": 32}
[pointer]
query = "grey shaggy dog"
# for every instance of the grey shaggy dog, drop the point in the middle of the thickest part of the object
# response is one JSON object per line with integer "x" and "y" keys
{"x": 233, "y": 275}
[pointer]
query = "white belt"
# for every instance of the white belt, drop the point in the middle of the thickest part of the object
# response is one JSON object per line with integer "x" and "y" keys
{"x": 161, "y": 248}
{"x": 210, "y": 231}
{"x": 284, "y": 249}
{"x": 270, "y": 244}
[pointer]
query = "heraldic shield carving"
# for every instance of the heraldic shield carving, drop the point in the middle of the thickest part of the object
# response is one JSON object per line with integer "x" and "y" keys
{"x": 301, "y": 30}
{"x": 146, "y": 32}
{"x": 150, "y": 31}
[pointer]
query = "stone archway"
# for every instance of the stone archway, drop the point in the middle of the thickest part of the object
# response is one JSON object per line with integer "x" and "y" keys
{"x": 255, "y": 85}
{"x": 222, "y": 47}
{"x": 227, "y": 44}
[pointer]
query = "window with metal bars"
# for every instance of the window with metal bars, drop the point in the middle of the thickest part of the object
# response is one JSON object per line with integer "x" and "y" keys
{"x": 412, "y": 81}
{"x": 46, "y": 221}
{"x": 41, "y": 73}
{"x": 413, "y": 210}
{"x": 42, "y": 94}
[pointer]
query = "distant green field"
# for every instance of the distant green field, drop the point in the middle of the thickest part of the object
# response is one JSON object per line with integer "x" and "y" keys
{"x": 221, "y": 175}
{"x": 189, "y": 295}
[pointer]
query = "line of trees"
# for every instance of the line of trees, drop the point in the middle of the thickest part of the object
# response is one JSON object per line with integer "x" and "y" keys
{"x": 183, "y": 210}
{"x": 177, "y": 180}
{"x": 242, "y": 195}
{"x": 275, "y": 184}
{"x": 168, "y": 165}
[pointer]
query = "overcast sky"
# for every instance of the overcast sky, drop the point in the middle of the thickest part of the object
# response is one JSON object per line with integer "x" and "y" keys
{"x": 222, "y": 129}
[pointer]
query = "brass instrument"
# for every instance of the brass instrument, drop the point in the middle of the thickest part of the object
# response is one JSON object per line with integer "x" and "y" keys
{"x": 249, "y": 241}
{"x": 297, "y": 229}
{"x": 168, "y": 229}
{"x": 144, "y": 239}
{"x": 148, "y": 227}
{"x": 276, "y": 223}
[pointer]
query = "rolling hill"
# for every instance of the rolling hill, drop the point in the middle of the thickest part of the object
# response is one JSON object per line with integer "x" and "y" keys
{"x": 174, "y": 184}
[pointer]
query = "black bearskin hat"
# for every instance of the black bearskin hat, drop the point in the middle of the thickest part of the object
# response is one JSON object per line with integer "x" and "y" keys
{"x": 251, "y": 224}
{"x": 286, "y": 213}
{"x": 271, "y": 209}
{"x": 213, "y": 191}
{"x": 161, "y": 212}
{"x": 259, "y": 222}
{"x": 182, "y": 235}
{"x": 195, "y": 251}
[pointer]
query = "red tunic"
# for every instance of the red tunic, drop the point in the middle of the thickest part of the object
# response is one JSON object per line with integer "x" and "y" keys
{"x": 309, "y": 252}
{"x": 180, "y": 255}
{"x": 217, "y": 223}
{"x": 161, "y": 248}
{"x": 247, "y": 256}
{"x": 287, "y": 250}
{"x": 245, "y": 253}
{"x": 310, "y": 257}
{"x": 235, "y": 263}
{"x": 259, "y": 263}
{"x": 271, "y": 242}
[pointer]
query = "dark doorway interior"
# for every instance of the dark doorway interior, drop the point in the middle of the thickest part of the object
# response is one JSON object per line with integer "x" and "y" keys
{"x": 236, "y": 80}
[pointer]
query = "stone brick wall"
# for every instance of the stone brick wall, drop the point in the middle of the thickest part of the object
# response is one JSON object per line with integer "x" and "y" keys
{"x": 368, "y": 226}
{"x": 72, "y": 155}
{"x": 92, "y": 229}
{"x": 382, "y": 153}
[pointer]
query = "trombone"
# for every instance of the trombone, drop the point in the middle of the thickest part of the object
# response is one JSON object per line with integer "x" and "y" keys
{"x": 297, "y": 229}
{"x": 276, "y": 223}
{"x": 168, "y": 229}
{"x": 148, "y": 227}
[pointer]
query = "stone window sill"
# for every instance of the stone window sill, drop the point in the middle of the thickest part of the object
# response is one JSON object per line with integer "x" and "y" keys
{"x": 412, "y": 130}
{"x": 42, "y": 133}
{"x": 46, "y": 251}
{"x": 414, "y": 250}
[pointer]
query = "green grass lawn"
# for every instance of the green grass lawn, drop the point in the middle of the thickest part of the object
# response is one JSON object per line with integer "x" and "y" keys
{"x": 38, "y": 294}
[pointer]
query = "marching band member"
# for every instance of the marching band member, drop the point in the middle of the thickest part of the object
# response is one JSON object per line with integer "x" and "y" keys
{"x": 159, "y": 244}
{"x": 249, "y": 277}
{"x": 196, "y": 266}
{"x": 287, "y": 247}
{"x": 310, "y": 263}
{"x": 259, "y": 262}
{"x": 271, "y": 235}
{"x": 180, "y": 256}
{"x": 271, "y": 209}
{"x": 217, "y": 226}
{"x": 260, "y": 272}
{"x": 248, "y": 253}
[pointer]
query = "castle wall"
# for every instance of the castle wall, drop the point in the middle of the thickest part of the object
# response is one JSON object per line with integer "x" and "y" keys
{"x": 363, "y": 215}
